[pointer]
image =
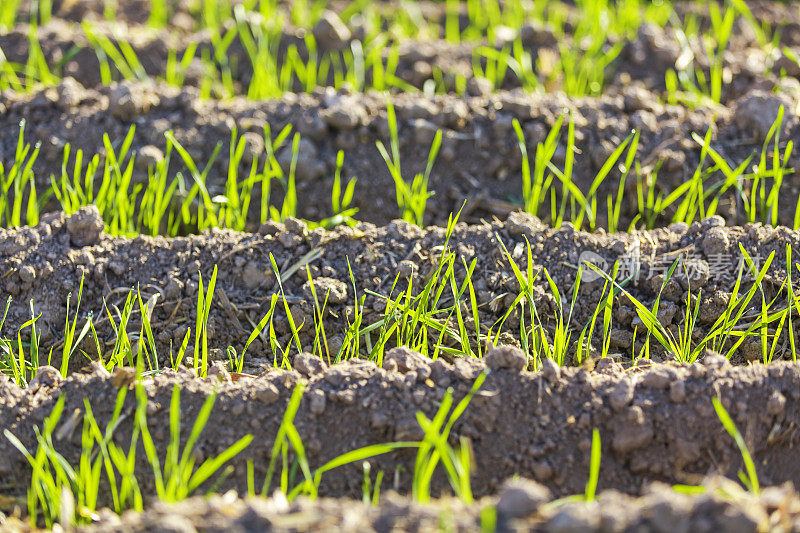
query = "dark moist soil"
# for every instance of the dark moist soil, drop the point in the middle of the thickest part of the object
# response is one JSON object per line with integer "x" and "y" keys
{"x": 44, "y": 264}
{"x": 479, "y": 162}
{"x": 521, "y": 505}
{"x": 656, "y": 422}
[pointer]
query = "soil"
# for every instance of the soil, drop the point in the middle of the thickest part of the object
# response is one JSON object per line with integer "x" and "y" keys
{"x": 645, "y": 57}
{"x": 46, "y": 263}
{"x": 655, "y": 417}
{"x": 656, "y": 422}
{"x": 521, "y": 505}
{"x": 479, "y": 162}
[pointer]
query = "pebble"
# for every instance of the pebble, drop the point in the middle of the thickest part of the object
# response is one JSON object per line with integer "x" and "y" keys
{"x": 267, "y": 393}
{"x": 520, "y": 498}
{"x": 318, "y": 400}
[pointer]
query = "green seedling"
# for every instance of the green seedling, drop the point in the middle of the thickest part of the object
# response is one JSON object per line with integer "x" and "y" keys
{"x": 200, "y": 354}
{"x": 594, "y": 466}
{"x": 180, "y": 477}
{"x": 412, "y": 197}
{"x": 750, "y": 480}
{"x": 15, "y": 208}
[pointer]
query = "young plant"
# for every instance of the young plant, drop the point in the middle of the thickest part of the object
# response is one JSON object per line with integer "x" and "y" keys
{"x": 16, "y": 206}
{"x": 750, "y": 481}
{"x": 412, "y": 197}
{"x": 179, "y": 478}
{"x": 200, "y": 354}
{"x": 341, "y": 199}
{"x": 534, "y": 183}
{"x": 435, "y": 448}
{"x": 594, "y": 466}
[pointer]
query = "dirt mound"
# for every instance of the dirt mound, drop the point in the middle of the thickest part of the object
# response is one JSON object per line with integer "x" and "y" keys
{"x": 520, "y": 506}
{"x": 656, "y": 423}
{"x": 479, "y": 162}
{"x": 45, "y": 264}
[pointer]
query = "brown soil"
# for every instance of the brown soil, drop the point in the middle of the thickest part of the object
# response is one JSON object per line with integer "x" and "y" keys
{"x": 479, "y": 162}
{"x": 655, "y": 419}
{"x": 45, "y": 264}
{"x": 521, "y": 505}
{"x": 656, "y": 422}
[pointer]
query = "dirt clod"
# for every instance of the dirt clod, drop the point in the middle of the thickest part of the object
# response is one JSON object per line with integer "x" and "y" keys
{"x": 46, "y": 376}
{"x": 317, "y": 405}
{"x": 267, "y": 393}
{"x": 309, "y": 364}
{"x": 406, "y": 360}
{"x": 126, "y": 101}
{"x": 506, "y": 356}
{"x": 622, "y": 394}
{"x": 85, "y": 226}
{"x": 520, "y": 498}
{"x": 550, "y": 370}
{"x": 326, "y": 289}
{"x": 757, "y": 111}
{"x": 330, "y": 32}
{"x": 218, "y": 371}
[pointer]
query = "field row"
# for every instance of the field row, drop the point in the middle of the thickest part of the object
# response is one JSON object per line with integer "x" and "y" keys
{"x": 263, "y": 51}
{"x": 520, "y": 506}
{"x": 656, "y": 423}
{"x": 158, "y": 160}
{"x": 254, "y": 300}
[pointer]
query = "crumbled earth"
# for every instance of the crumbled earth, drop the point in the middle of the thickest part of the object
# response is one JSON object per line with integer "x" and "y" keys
{"x": 46, "y": 263}
{"x": 656, "y": 421}
{"x": 479, "y": 162}
{"x": 530, "y": 431}
{"x": 521, "y": 505}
